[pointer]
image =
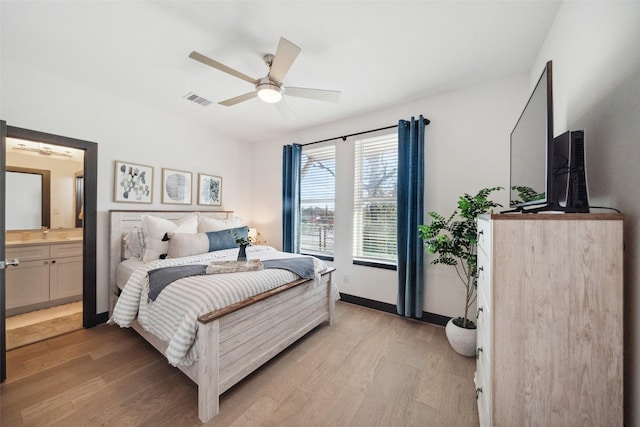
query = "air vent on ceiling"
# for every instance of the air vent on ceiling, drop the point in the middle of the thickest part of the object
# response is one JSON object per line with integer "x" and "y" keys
{"x": 197, "y": 99}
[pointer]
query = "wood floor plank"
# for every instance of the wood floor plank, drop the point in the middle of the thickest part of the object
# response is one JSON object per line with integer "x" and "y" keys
{"x": 59, "y": 350}
{"x": 342, "y": 410}
{"x": 59, "y": 405}
{"x": 29, "y": 334}
{"x": 460, "y": 403}
{"x": 369, "y": 368}
{"x": 390, "y": 394}
{"x": 117, "y": 394}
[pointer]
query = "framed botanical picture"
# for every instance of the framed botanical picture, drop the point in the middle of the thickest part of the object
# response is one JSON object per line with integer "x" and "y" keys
{"x": 209, "y": 190}
{"x": 176, "y": 187}
{"x": 133, "y": 183}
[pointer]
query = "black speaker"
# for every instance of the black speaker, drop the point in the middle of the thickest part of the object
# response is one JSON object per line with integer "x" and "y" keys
{"x": 577, "y": 192}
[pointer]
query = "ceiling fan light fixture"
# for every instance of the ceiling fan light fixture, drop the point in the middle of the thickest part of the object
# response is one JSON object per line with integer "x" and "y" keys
{"x": 270, "y": 88}
{"x": 269, "y": 92}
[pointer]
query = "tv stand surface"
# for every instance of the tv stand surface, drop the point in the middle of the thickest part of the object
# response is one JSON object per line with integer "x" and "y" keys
{"x": 548, "y": 208}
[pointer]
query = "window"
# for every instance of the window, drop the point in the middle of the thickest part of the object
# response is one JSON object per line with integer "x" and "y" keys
{"x": 375, "y": 192}
{"x": 317, "y": 200}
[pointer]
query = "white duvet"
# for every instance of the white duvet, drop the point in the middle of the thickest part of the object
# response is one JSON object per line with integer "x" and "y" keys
{"x": 173, "y": 316}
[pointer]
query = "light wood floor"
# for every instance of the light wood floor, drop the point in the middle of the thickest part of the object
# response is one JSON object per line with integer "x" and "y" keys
{"x": 39, "y": 316}
{"x": 28, "y": 328}
{"x": 369, "y": 369}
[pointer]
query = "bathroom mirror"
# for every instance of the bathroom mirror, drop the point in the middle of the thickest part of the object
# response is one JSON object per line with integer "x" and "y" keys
{"x": 56, "y": 168}
{"x": 28, "y": 198}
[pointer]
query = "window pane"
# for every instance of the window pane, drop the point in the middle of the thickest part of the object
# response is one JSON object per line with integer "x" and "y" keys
{"x": 375, "y": 190}
{"x": 317, "y": 200}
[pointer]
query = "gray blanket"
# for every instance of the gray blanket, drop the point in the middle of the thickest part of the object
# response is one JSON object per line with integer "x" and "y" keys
{"x": 302, "y": 266}
{"x": 160, "y": 278}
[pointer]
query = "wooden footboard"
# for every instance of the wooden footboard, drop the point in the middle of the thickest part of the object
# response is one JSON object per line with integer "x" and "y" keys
{"x": 233, "y": 345}
{"x": 234, "y": 342}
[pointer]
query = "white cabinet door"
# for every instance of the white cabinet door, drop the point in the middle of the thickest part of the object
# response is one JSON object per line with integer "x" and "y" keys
{"x": 28, "y": 283}
{"x": 66, "y": 277}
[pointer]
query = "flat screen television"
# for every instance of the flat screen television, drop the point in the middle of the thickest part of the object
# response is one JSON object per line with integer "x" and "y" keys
{"x": 535, "y": 173}
{"x": 547, "y": 173}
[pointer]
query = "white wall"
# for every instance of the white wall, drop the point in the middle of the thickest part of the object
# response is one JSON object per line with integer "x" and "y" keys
{"x": 596, "y": 60}
{"x": 467, "y": 148}
{"x": 594, "y": 47}
{"x": 128, "y": 132}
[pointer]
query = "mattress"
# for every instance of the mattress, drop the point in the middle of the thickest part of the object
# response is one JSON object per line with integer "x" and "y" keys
{"x": 125, "y": 270}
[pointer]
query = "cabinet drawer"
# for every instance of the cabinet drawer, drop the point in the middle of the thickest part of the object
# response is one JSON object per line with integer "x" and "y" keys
{"x": 484, "y": 278}
{"x": 484, "y": 235}
{"x": 65, "y": 250}
{"x": 484, "y": 331}
{"x": 483, "y": 353}
{"x": 28, "y": 253}
{"x": 483, "y": 391}
{"x": 483, "y": 409}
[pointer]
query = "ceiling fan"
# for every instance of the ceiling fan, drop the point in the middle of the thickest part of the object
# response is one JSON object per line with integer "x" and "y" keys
{"x": 271, "y": 88}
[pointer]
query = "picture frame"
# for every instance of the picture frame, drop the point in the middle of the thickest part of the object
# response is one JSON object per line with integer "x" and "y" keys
{"x": 176, "y": 187}
{"x": 209, "y": 190}
{"x": 133, "y": 182}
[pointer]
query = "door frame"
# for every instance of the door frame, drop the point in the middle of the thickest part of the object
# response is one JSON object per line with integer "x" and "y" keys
{"x": 3, "y": 326}
{"x": 89, "y": 232}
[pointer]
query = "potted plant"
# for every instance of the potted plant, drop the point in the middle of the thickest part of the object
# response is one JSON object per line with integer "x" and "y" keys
{"x": 242, "y": 242}
{"x": 453, "y": 241}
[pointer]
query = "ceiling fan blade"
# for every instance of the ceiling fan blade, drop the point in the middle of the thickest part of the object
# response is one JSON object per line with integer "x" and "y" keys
{"x": 238, "y": 99}
{"x": 286, "y": 53}
{"x": 215, "y": 64}
{"x": 285, "y": 110}
{"x": 317, "y": 94}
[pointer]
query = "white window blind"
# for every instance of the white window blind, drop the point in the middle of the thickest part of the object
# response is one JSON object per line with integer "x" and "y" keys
{"x": 375, "y": 194}
{"x": 317, "y": 200}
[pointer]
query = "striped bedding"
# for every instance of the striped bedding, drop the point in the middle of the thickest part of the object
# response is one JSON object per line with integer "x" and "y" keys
{"x": 172, "y": 317}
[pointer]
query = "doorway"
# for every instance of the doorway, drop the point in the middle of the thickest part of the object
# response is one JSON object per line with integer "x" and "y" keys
{"x": 89, "y": 206}
{"x": 44, "y": 292}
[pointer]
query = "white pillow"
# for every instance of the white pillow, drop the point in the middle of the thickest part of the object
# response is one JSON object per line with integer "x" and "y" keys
{"x": 154, "y": 229}
{"x": 206, "y": 224}
{"x": 187, "y": 244}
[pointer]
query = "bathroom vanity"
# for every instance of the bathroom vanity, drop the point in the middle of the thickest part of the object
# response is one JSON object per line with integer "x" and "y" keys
{"x": 49, "y": 273}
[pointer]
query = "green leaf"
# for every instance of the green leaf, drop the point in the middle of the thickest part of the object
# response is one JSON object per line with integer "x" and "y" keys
{"x": 453, "y": 239}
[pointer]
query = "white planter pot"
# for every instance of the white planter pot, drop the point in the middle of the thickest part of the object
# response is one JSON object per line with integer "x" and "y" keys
{"x": 462, "y": 340}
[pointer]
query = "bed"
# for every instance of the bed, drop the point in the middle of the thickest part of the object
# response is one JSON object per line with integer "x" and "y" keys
{"x": 234, "y": 340}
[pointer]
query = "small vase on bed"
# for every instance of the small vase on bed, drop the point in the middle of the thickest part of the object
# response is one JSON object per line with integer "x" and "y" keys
{"x": 242, "y": 253}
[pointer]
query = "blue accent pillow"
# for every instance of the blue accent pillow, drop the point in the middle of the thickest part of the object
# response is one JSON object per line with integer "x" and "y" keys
{"x": 226, "y": 239}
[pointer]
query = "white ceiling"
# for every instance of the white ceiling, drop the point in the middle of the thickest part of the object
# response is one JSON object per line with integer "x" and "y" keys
{"x": 377, "y": 53}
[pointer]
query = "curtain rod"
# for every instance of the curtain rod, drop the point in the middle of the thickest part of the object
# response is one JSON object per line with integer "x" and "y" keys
{"x": 344, "y": 137}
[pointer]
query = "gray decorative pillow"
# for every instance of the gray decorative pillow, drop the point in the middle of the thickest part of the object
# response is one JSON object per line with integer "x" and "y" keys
{"x": 187, "y": 244}
{"x": 226, "y": 239}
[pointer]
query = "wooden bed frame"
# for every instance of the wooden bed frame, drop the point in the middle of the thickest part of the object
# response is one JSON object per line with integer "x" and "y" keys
{"x": 236, "y": 340}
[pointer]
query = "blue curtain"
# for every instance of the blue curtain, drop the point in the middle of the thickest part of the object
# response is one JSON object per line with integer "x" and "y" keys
{"x": 410, "y": 215}
{"x": 291, "y": 159}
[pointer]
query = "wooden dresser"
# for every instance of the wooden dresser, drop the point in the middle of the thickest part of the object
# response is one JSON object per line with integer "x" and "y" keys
{"x": 550, "y": 316}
